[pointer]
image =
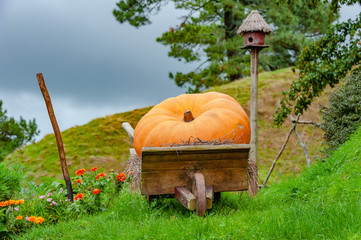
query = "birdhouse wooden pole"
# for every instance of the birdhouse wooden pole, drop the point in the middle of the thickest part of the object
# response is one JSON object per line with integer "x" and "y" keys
{"x": 254, "y": 30}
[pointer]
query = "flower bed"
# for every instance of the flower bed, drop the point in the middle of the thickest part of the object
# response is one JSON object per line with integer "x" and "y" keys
{"x": 47, "y": 203}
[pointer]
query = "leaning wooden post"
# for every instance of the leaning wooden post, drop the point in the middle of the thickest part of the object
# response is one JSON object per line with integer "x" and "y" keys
{"x": 59, "y": 141}
{"x": 254, "y": 29}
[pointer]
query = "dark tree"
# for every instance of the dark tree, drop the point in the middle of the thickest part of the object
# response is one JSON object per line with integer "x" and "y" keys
{"x": 14, "y": 134}
{"x": 207, "y": 34}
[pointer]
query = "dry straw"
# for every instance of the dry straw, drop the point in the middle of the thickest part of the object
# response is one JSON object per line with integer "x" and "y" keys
{"x": 254, "y": 23}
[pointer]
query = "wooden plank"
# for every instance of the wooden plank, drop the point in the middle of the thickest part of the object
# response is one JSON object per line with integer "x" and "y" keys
{"x": 195, "y": 149}
{"x": 194, "y": 156}
{"x": 185, "y": 197}
{"x": 188, "y": 200}
{"x": 165, "y": 182}
{"x": 195, "y": 153}
{"x": 194, "y": 165}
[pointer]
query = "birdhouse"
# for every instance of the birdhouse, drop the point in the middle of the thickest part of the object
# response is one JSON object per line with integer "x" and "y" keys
{"x": 254, "y": 30}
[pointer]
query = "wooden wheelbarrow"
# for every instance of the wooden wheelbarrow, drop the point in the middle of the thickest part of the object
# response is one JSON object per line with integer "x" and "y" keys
{"x": 195, "y": 175}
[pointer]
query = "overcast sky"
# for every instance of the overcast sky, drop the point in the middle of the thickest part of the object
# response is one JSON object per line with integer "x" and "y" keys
{"x": 93, "y": 66}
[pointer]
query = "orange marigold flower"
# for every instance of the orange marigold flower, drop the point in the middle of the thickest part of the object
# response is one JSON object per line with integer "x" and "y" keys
{"x": 121, "y": 177}
{"x": 19, "y": 217}
{"x": 96, "y": 191}
{"x": 11, "y": 202}
{"x": 80, "y": 172}
{"x": 17, "y": 202}
{"x": 79, "y": 196}
{"x": 94, "y": 169}
{"x": 32, "y": 219}
{"x": 39, "y": 220}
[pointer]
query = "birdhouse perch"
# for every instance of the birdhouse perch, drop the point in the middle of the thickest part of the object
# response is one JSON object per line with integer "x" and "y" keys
{"x": 254, "y": 30}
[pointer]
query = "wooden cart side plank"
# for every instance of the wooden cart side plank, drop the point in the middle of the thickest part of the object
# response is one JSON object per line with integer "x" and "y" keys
{"x": 195, "y": 148}
{"x": 194, "y": 156}
{"x": 164, "y": 182}
{"x": 192, "y": 165}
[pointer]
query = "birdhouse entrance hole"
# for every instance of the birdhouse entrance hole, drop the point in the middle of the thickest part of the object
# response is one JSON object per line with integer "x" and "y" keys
{"x": 254, "y": 38}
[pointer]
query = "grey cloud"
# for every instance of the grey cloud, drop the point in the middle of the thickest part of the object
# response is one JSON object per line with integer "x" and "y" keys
{"x": 84, "y": 53}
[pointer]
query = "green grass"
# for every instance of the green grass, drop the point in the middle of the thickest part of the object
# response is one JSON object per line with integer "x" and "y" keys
{"x": 103, "y": 143}
{"x": 323, "y": 202}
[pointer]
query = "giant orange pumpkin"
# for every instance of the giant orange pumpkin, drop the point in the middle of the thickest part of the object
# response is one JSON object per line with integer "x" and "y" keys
{"x": 207, "y": 116}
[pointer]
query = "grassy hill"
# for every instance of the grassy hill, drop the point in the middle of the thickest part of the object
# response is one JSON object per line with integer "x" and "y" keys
{"x": 322, "y": 203}
{"x": 103, "y": 143}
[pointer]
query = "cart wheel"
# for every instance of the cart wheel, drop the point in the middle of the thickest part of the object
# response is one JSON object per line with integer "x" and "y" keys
{"x": 199, "y": 191}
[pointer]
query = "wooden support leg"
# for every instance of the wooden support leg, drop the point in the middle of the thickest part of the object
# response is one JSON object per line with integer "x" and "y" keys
{"x": 151, "y": 197}
{"x": 199, "y": 191}
{"x": 209, "y": 196}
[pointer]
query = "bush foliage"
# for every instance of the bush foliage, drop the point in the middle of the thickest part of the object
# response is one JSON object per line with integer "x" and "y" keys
{"x": 343, "y": 116}
{"x": 10, "y": 178}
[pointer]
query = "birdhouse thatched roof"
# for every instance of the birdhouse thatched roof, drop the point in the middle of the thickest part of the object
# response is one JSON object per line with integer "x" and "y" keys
{"x": 254, "y": 23}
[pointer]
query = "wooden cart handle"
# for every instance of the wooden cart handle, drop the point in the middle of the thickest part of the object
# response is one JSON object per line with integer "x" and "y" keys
{"x": 129, "y": 129}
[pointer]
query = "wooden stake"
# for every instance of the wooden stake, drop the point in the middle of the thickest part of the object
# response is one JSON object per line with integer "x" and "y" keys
{"x": 294, "y": 122}
{"x": 278, "y": 155}
{"x": 303, "y": 145}
{"x": 59, "y": 141}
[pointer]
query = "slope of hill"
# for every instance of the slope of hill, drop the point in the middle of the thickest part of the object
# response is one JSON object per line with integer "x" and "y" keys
{"x": 103, "y": 143}
{"x": 322, "y": 203}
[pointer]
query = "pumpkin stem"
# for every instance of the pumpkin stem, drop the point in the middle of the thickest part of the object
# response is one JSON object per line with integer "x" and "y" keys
{"x": 188, "y": 116}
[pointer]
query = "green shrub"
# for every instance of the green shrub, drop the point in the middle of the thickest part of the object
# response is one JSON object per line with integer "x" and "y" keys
{"x": 343, "y": 116}
{"x": 10, "y": 178}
